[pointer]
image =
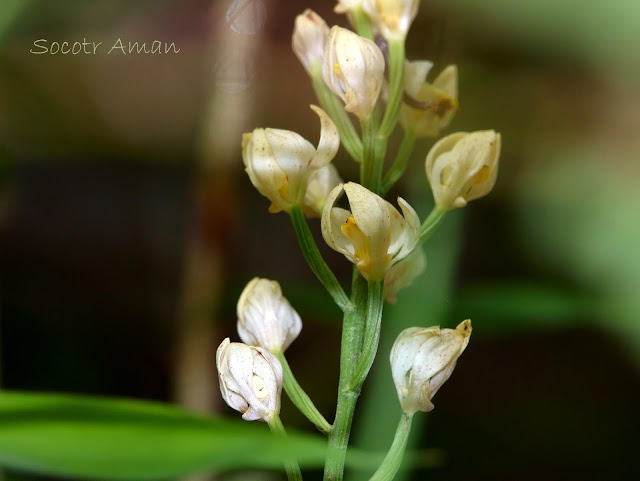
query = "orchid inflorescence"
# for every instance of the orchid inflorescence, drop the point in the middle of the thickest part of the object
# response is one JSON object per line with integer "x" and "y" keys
{"x": 354, "y": 81}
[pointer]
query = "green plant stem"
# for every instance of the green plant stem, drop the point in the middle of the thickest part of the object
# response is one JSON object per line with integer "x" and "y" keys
{"x": 370, "y": 170}
{"x": 300, "y": 398}
{"x": 400, "y": 162}
{"x": 371, "y": 337}
{"x": 335, "y": 109}
{"x": 352, "y": 334}
{"x": 396, "y": 88}
{"x": 361, "y": 23}
{"x": 431, "y": 223}
{"x": 291, "y": 467}
{"x": 393, "y": 459}
{"x": 315, "y": 260}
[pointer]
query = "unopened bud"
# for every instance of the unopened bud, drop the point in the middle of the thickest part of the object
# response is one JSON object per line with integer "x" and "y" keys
{"x": 422, "y": 360}
{"x": 265, "y": 317}
{"x": 462, "y": 167}
{"x": 250, "y": 380}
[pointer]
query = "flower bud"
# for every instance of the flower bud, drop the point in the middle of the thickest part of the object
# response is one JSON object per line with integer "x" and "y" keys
{"x": 392, "y": 18}
{"x": 373, "y": 234}
{"x": 353, "y": 68}
{"x": 428, "y": 107}
{"x": 309, "y": 37}
{"x": 403, "y": 273}
{"x": 279, "y": 162}
{"x": 265, "y": 317}
{"x": 320, "y": 184}
{"x": 250, "y": 380}
{"x": 462, "y": 167}
{"x": 422, "y": 360}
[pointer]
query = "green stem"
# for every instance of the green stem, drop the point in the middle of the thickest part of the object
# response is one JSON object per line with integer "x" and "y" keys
{"x": 300, "y": 398}
{"x": 400, "y": 162}
{"x": 392, "y": 461}
{"x": 431, "y": 223}
{"x": 291, "y": 467}
{"x": 396, "y": 87}
{"x": 361, "y": 23}
{"x": 352, "y": 333}
{"x": 315, "y": 260}
{"x": 370, "y": 173}
{"x": 371, "y": 333}
{"x": 335, "y": 109}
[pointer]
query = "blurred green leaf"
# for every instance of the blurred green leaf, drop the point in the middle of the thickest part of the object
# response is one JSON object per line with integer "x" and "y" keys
{"x": 505, "y": 308}
{"x": 98, "y": 438}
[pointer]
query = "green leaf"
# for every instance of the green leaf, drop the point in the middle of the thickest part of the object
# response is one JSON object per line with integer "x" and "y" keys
{"x": 99, "y": 438}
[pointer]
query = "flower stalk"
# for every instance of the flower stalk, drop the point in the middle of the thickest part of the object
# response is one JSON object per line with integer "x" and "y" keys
{"x": 431, "y": 223}
{"x": 396, "y": 87}
{"x": 300, "y": 398}
{"x": 393, "y": 460}
{"x": 314, "y": 258}
{"x": 400, "y": 162}
{"x": 291, "y": 467}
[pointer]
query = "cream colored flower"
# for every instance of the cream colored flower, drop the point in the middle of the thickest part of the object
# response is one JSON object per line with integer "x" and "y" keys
{"x": 250, "y": 380}
{"x": 422, "y": 359}
{"x": 428, "y": 107}
{"x": 320, "y": 184}
{"x": 373, "y": 235}
{"x": 391, "y": 17}
{"x": 309, "y": 37}
{"x": 462, "y": 167}
{"x": 403, "y": 274}
{"x": 265, "y": 317}
{"x": 353, "y": 68}
{"x": 279, "y": 162}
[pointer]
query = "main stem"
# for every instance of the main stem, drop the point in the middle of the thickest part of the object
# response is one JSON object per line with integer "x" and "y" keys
{"x": 352, "y": 334}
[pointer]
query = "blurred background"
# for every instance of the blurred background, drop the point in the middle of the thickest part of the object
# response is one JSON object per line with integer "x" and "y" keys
{"x": 128, "y": 227}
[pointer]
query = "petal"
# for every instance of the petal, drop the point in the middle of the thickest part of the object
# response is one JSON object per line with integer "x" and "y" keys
{"x": 448, "y": 81}
{"x": 329, "y": 140}
{"x": 261, "y": 165}
{"x": 415, "y": 74}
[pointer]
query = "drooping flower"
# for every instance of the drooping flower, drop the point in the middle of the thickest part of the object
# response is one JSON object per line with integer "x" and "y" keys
{"x": 280, "y": 162}
{"x": 372, "y": 234}
{"x": 422, "y": 359}
{"x": 265, "y": 317}
{"x": 462, "y": 167}
{"x": 250, "y": 380}
{"x": 428, "y": 107}
{"x": 353, "y": 69}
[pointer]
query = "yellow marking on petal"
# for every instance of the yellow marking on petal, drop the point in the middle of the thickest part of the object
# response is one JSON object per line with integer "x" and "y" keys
{"x": 338, "y": 71}
{"x": 482, "y": 175}
{"x": 359, "y": 241}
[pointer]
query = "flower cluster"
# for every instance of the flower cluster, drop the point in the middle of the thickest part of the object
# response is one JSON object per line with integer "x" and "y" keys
{"x": 364, "y": 94}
